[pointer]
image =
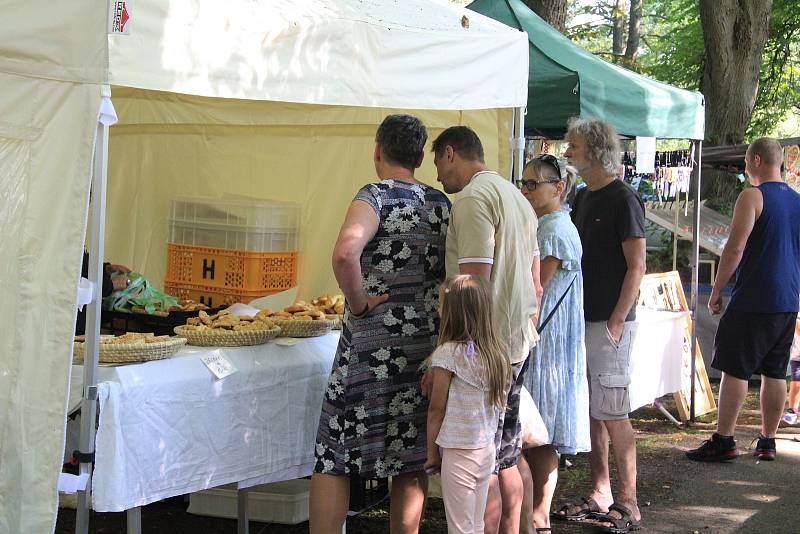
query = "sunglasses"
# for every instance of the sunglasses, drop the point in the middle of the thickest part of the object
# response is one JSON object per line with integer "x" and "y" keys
{"x": 531, "y": 185}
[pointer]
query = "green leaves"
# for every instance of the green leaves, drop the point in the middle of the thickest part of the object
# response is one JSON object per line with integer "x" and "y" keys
{"x": 672, "y": 51}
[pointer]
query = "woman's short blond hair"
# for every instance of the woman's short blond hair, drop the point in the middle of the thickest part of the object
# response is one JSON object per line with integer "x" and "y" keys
{"x": 569, "y": 175}
{"x": 601, "y": 142}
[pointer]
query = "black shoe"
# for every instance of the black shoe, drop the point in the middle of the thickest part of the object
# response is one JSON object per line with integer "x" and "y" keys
{"x": 765, "y": 448}
{"x": 717, "y": 449}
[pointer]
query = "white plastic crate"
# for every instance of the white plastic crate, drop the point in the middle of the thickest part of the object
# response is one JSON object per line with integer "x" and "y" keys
{"x": 279, "y": 502}
{"x": 232, "y": 237}
{"x": 246, "y": 213}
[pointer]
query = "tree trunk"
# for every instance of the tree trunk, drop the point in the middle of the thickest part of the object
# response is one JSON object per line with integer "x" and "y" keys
{"x": 734, "y": 33}
{"x": 554, "y": 12}
{"x": 618, "y": 28}
{"x": 634, "y": 23}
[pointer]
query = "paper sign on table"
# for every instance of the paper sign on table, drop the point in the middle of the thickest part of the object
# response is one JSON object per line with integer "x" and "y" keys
{"x": 218, "y": 364}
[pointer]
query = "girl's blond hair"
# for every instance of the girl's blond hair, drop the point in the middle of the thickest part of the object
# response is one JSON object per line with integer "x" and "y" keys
{"x": 466, "y": 315}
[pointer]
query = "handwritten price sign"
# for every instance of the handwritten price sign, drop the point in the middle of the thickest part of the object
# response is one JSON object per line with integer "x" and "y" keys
{"x": 218, "y": 364}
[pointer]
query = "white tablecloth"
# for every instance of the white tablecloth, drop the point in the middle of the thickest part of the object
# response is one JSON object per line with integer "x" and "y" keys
{"x": 168, "y": 427}
{"x": 656, "y": 358}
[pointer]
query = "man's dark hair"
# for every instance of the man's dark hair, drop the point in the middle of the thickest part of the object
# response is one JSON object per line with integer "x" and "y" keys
{"x": 464, "y": 141}
{"x": 402, "y": 140}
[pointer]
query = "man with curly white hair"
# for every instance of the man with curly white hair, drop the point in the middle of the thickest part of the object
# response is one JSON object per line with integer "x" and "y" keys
{"x": 609, "y": 216}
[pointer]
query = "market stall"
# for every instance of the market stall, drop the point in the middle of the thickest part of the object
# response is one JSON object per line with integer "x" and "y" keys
{"x": 260, "y": 99}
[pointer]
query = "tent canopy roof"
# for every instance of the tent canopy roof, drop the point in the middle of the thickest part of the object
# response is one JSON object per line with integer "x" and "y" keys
{"x": 342, "y": 52}
{"x": 567, "y": 81}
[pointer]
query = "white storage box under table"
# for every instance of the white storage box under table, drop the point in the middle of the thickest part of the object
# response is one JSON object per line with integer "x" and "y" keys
{"x": 280, "y": 502}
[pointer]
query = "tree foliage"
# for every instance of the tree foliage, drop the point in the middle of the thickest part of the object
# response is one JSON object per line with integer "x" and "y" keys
{"x": 672, "y": 50}
{"x": 779, "y": 84}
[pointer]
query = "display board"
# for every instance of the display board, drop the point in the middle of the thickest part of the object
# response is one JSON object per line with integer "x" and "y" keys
{"x": 664, "y": 291}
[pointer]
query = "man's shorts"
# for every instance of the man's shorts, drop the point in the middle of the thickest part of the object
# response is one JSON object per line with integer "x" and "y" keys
{"x": 748, "y": 343}
{"x": 608, "y": 365}
{"x": 794, "y": 370}
{"x": 509, "y": 430}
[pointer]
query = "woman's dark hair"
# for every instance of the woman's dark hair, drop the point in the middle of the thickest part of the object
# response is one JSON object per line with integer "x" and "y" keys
{"x": 464, "y": 141}
{"x": 402, "y": 140}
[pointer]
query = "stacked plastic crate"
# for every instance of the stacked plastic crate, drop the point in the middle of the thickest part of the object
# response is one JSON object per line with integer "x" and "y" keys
{"x": 222, "y": 251}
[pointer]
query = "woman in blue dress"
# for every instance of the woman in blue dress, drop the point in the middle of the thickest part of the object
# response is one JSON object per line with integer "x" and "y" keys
{"x": 556, "y": 377}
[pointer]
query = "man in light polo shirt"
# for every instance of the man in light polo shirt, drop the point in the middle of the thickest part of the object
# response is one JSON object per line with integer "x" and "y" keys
{"x": 492, "y": 233}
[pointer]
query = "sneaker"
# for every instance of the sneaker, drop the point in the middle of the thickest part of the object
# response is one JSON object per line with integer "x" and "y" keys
{"x": 790, "y": 417}
{"x": 717, "y": 449}
{"x": 765, "y": 448}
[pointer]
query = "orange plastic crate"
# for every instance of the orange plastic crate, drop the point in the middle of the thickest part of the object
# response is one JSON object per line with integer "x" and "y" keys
{"x": 264, "y": 272}
{"x": 212, "y": 296}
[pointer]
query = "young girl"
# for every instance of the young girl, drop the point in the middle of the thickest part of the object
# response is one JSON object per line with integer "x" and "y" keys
{"x": 471, "y": 376}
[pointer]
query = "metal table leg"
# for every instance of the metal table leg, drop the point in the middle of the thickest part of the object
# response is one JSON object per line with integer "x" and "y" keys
{"x": 134, "y": 518}
{"x": 663, "y": 410}
{"x": 243, "y": 513}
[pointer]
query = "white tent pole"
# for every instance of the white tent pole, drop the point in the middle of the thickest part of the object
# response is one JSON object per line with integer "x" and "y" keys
{"x": 698, "y": 149}
{"x": 511, "y": 144}
{"x": 519, "y": 144}
{"x": 91, "y": 354}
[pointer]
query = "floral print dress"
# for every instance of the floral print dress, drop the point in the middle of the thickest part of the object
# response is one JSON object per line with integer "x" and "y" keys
{"x": 373, "y": 413}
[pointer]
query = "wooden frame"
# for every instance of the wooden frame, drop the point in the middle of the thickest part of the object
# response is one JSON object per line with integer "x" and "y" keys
{"x": 664, "y": 291}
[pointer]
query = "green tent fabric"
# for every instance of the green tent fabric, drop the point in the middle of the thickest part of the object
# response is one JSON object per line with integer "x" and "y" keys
{"x": 567, "y": 81}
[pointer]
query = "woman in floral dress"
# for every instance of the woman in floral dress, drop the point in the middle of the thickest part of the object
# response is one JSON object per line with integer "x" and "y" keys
{"x": 389, "y": 262}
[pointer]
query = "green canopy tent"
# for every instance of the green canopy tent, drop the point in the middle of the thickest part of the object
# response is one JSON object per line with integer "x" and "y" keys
{"x": 567, "y": 81}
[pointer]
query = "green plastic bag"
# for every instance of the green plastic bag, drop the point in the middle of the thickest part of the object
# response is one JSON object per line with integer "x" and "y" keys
{"x": 139, "y": 293}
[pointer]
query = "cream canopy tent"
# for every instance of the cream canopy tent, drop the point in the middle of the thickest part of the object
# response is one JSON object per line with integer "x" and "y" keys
{"x": 273, "y": 98}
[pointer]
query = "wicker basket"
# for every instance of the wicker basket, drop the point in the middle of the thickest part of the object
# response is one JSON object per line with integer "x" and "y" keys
{"x": 131, "y": 352}
{"x": 219, "y": 337}
{"x": 337, "y": 320}
{"x": 297, "y": 328}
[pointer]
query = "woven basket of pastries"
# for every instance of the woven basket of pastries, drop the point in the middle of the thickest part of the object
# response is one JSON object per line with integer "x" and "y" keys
{"x": 132, "y": 347}
{"x": 332, "y": 307}
{"x": 224, "y": 329}
{"x": 300, "y": 320}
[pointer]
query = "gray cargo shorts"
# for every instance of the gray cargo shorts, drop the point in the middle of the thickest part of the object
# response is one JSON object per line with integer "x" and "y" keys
{"x": 608, "y": 366}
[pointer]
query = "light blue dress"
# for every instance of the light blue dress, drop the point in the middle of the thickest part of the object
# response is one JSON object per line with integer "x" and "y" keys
{"x": 556, "y": 377}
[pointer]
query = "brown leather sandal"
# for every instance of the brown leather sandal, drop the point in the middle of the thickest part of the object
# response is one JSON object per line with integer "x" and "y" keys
{"x": 622, "y": 524}
{"x": 587, "y": 508}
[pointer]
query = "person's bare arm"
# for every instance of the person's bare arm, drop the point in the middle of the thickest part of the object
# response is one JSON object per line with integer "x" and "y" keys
{"x": 360, "y": 225}
{"x": 476, "y": 269}
{"x": 549, "y": 267}
{"x": 436, "y": 411}
{"x": 634, "y": 251}
{"x": 747, "y": 210}
{"x": 536, "y": 274}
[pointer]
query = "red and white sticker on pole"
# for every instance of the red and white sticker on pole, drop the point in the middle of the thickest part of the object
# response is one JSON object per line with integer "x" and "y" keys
{"x": 119, "y": 17}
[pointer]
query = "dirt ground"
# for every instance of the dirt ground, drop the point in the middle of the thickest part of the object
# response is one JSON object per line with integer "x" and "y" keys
{"x": 675, "y": 495}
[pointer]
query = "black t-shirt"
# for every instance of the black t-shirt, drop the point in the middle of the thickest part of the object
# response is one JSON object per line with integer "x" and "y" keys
{"x": 605, "y": 218}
